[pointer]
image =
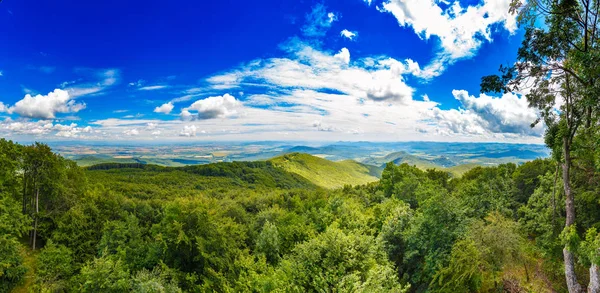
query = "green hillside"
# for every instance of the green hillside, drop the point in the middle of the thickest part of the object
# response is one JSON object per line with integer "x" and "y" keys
{"x": 400, "y": 158}
{"x": 326, "y": 173}
{"x": 459, "y": 170}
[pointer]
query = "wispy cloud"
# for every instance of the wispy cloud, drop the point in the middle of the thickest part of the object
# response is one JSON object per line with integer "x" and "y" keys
{"x": 318, "y": 21}
{"x": 153, "y": 87}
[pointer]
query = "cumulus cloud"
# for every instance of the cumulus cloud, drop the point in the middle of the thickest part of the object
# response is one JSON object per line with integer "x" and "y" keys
{"x": 318, "y": 21}
{"x": 188, "y": 131}
{"x": 350, "y": 35}
{"x": 213, "y": 107}
{"x": 46, "y": 106}
{"x": 343, "y": 55}
{"x": 508, "y": 114}
{"x": 164, "y": 108}
{"x": 71, "y": 131}
{"x": 461, "y": 30}
{"x": 3, "y": 108}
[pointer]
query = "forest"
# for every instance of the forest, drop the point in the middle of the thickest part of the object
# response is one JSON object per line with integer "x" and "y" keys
{"x": 254, "y": 227}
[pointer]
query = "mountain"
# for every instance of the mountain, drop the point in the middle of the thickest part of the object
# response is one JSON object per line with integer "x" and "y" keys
{"x": 326, "y": 173}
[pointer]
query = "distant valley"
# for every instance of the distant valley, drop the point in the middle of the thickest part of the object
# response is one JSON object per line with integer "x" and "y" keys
{"x": 456, "y": 158}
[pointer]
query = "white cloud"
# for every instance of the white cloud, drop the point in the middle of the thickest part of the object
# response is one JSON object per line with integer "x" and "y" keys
{"x": 318, "y": 21}
{"x": 507, "y": 114}
{"x": 343, "y": 55}
{"x": 3, "y": 108}
{"x": 186, "y": 115}
{"x": 46, "y": 107}
{"x": 153, "y": 87}
{"x": 348, "y": 34}
{"x": 1, "y": 74}
{"x": 188, "y": 131}
{"x": 461, "y": 30}
{"x": 138, "y": 115}
{"x": 213, "y": 107}
{"x": 156, "y": 133}
{"x": 164, "y": 108}
{"x": 43, "y": 127}
{"x": 368, "y": 78}
{"x": 151, "y": 125}
{"x": 332, "y": 17}
{"x": 71, "y": 131}
{"x": 486, "y": 115}
{"x": 131, "y": 132}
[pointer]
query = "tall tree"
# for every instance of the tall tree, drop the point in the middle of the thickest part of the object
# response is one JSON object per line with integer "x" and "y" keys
{"x": 558, "y": 68}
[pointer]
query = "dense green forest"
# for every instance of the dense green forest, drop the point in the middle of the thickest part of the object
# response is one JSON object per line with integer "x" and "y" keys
{"x": 254, "y": 227}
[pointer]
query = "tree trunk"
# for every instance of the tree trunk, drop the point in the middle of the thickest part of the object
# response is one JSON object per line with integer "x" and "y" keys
{"x": 594, "y": 286}
{"x": 37, "y": 210}
{"x": 572, "y": 284}
{"x": 24, "y": 194}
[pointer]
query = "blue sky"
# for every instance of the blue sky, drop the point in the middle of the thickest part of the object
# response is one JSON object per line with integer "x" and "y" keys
{"x": 258, "y": 70}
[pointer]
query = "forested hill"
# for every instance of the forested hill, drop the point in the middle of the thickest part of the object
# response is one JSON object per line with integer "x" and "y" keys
{"x": 258, "y": 174}
{"x": 254, "y": 227}
{"x": 326, "y": 173}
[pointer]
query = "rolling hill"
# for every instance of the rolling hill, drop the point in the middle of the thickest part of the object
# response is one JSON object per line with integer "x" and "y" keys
{"x": 326, "y": 173}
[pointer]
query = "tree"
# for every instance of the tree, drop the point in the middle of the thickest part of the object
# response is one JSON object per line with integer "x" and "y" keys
{"x": 104, "y": 274}
{"x": 335, "y": 261}
{"x": 477, "y": 261}
{"x": 268, "y": 242}
{"x": 559, "y": 61}
{"x": 54, "y": 268}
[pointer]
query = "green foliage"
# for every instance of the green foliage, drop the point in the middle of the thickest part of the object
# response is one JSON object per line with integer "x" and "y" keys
{"x": 12, "y": 221}
{"x": 570, "y": 238}
{"x": 104, "y": 274}
{"x": 13, "y": 224}
{"x": 154, "y": 281}
{"x": 268, "y": 242}
{"x": 12, "y": 269}
{"x": 542, "y": 218}
{"x": 484, "y": 190}
{"x": 436, "y": 225}
{"x": 55, "y": 267}
{"x": 125, "y": 240}
{"x": 337, "y": 261}
{"x": 476, "y": 262}
{"x": 590, "y": 247}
